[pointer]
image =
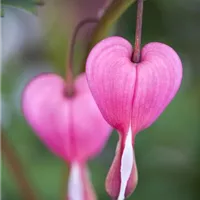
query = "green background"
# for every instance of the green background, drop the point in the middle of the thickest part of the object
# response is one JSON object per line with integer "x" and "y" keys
{"x": 167, "y": 153}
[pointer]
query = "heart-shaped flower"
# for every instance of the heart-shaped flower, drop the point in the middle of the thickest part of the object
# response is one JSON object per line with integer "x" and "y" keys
{"x": 131, "y": 96}
{"x": 71, "y": 127}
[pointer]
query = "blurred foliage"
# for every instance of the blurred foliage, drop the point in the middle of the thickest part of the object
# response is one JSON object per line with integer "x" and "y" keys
{"x": 167, "y": 153}
{"x": 25, "y": 4}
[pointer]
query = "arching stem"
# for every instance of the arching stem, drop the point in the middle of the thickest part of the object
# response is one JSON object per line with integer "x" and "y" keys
{"x": 69, "y": 90}
{"x": 138, "y": 32}
{"x": 110, "y": 15}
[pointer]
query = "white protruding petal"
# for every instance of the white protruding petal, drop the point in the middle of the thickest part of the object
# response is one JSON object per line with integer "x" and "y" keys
{"x": 126, "y": 164}
{"x": 75, "y": 185}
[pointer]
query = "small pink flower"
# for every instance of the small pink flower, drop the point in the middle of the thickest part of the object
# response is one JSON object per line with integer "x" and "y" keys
{"x": 71, "y": 127}
{"x": 131, "y": 96}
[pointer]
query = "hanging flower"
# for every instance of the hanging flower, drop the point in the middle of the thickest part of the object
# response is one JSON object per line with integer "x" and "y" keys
{"x": 131, "y": 96}
{"x": 71, "y": 127}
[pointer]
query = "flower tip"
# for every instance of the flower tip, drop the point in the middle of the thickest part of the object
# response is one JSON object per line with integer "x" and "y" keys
{"x": 122, "y": 177}
{"x": 79, "y": 184}
{"x": 75, "y": 185}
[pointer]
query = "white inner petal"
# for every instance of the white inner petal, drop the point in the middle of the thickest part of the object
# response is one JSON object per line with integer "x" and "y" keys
{"x": 75, "y": 184}
{"x": 126, "y": 164}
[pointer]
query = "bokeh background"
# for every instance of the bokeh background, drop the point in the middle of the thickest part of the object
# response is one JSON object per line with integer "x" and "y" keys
{"x": 167, "y": 153}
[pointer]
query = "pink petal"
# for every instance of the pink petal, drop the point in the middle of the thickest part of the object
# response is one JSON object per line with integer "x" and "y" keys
{"x": 90, "y": 128}
{"x": 73, "y": 128}
{"x": 129, "y": 93}
{"x": 126, "y": 92}
{"x": 111, "y": 77}
{"x": 81, "y": 84}
{"x": 159, "y": 77}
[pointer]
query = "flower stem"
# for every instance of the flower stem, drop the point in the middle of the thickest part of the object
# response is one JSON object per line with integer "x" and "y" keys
{"x": 110, "y": 16}
{"x": 104, "y": 8}
{"x": 138, "y": 32}
{"x": 69, "y": 91}
{"x": 13, "y": 162}
{"x": 39, "y": 2}
{"x": 113, "y": 12}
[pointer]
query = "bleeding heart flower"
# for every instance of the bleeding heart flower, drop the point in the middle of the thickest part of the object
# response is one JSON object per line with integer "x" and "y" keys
{"x": 131, "y": 96}
{"x": 71, "y": 127}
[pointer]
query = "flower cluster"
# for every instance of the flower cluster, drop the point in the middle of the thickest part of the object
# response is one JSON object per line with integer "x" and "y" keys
{"x": 114, "y": 92}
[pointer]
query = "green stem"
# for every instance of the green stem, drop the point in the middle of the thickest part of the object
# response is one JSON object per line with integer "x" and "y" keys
{"x": 114, "y": 11}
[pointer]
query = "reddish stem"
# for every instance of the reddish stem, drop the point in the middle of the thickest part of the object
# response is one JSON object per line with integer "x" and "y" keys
{"x": 138, "y": 32}
{"x": 13, "y": 162}
{"x": 69, "y": 90}
{"x": 39, "y": 2}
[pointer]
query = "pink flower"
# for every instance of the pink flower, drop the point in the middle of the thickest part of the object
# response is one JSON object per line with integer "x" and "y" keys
{"x": 71, "y": 127}
{"x": 131, "y": 96}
